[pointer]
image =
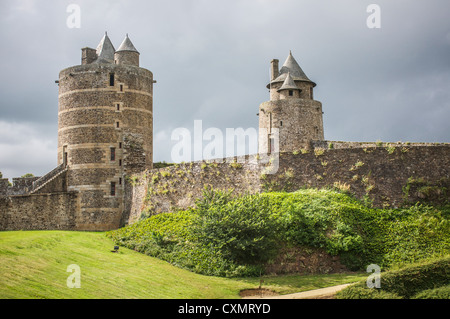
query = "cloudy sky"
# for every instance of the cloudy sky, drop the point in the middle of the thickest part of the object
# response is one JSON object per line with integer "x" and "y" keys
{"x": 211, "y": 61}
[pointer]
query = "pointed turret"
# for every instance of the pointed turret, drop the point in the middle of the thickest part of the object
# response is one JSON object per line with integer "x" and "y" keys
{"x": 127, "y": 53}
{"x": 288, "y": 84}
{"x": 105, "y": 50}
{"x": 291, "y": 115}
{"x": 127, "y": 45}
{"x": 289, "y": 88}
{"x": 291, "y": 66}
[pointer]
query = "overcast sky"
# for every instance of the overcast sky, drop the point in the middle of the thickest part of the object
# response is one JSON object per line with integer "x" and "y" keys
{"x": 211, "y": 61}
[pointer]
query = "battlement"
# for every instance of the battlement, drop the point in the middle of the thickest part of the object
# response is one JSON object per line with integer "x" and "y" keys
{"x": 20, "y": 186}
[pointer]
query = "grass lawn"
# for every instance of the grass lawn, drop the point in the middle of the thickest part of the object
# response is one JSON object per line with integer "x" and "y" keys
{"x": 33, "y": 264}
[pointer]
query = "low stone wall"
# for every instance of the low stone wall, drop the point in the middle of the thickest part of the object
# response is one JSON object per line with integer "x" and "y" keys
{"x": 295, "y": 260}
{"x": 39, "y": 211}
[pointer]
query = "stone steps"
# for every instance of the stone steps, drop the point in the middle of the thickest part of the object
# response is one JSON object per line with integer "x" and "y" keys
{"x": 50, "y": 176}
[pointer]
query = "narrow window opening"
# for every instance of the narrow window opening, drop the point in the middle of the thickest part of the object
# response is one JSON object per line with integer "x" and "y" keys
{"x": 272, "y": 145}
{"x": 120, "y": 162}
{"x": 65, "y": 156}
{"x": 120, "y": 180}
{"x": 118, "y": 107}
{"x": 121, "y": 88}
{"x": 117, "y": 124}
{"x": 113, "y": 188}
{"x": 270, "y": 123}
{"x": 111, "y": 79}
{"x": 113, "y": 153}
{"x": 291, "y": 92}
{"x": 120, "y": 144}
{"x": 281, "y": 123}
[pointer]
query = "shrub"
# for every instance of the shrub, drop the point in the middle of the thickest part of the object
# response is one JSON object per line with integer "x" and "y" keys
{"x": 242, "y": 229}
{"x": 436, "y": 293}
{"x": 227, "y": 235}
{"x": 365, "y": 293}
{"x": 415, "y": 281}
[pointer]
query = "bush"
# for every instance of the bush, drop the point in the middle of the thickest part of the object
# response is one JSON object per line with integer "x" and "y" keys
{"x": 437, "y": 293}
{"x": 365, "y": 293}
{"x": 414, "y": 281}
{"x": 242, "y": 229}
{"x": 227, "y": 235}
{"x": 410, "y": 280}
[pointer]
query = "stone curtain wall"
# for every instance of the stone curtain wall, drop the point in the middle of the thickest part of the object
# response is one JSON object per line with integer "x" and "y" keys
{"x": 39, "y": 212}
{"x": 386, "y": 175}
{"x": 164, "y": 189}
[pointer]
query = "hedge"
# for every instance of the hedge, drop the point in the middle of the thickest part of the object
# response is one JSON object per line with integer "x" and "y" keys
{"x": 415, "y": 281}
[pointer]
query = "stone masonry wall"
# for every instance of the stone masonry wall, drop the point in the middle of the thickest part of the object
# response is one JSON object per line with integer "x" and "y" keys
{"x": 386, "y": 176}
{"x": 39, "y": 212}
{"x": 20, "y": 185}
{"x": 164, "y": 189}
{"x": 298, "y": 121}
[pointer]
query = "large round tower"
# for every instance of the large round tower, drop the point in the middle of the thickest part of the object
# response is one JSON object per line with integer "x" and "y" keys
{"x": 105, "y": 124}
{"x": 292, "y": 117}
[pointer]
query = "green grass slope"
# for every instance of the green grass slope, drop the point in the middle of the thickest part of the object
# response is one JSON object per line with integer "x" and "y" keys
{"x": 33, "y": 264}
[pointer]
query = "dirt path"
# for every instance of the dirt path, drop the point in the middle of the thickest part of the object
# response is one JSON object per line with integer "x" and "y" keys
{"x": 322, "y": 293}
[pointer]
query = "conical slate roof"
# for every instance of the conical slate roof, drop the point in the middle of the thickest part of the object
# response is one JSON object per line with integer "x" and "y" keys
{"x": 291, "y": 66}
{"x": 288, "y": 84}
{"x": 105, "y": 50}
{"x": 127, "y": 45}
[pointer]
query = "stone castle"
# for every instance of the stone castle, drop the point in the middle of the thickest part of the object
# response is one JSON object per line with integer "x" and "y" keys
{"x": 105, "y": 177}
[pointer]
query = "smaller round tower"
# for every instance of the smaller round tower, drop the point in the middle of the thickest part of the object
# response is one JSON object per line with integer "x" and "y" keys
{"x": 126, "y": 54}
{"x": 292, "y": 115}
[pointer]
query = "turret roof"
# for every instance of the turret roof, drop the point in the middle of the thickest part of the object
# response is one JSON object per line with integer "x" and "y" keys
{"x": 288, "y": 83}
{"x": 105, "y": 50}
{"x": 127, "y": 45}
{"x": 291, "y": 66}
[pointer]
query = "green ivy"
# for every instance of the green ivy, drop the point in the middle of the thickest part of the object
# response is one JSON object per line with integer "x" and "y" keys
{"x": 228, "y": 235}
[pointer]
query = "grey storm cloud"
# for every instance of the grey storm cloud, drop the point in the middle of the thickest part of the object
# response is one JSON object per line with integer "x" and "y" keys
{"x": 211, "y": 62}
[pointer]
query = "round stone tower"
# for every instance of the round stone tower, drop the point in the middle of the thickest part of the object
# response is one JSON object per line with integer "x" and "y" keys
{"x": 105, "y": 125}
{"x": 292, "y": 118}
